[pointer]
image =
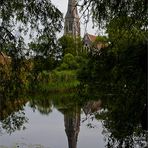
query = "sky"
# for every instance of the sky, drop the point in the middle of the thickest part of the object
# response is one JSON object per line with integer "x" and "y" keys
{"x": 62, "y": 6}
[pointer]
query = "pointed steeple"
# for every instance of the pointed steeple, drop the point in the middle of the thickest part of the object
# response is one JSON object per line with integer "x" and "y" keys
{"x": 72, "y": 126}
{"x": 72, "y": 20}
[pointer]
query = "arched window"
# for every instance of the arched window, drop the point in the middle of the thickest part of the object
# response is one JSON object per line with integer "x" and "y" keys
{"x": 70, "y": 26}
{"x": 66, "y": 28}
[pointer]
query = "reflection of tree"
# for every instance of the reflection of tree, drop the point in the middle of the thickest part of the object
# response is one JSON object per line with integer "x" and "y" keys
{"x": 12, "y": 117}
{"x": 91, "y": 107}
{"x": 130, "y": 141}
{"x": 122, "y": 110}
{"x": 43, "y": 105}
{"x": 122, "y": 120}
{"x": 10, "y": 105}
{"x": 13, "y": 122}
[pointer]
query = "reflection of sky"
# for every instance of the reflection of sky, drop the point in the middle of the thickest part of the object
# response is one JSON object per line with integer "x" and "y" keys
{"x": 90, "y": 137}
{"x": 49, "y": 130}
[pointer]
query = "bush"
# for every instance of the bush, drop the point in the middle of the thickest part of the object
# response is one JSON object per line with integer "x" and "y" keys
{"x": 69, "y": 63}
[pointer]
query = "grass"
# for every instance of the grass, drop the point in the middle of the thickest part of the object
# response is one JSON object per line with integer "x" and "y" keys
{"x": 58, "y": 81}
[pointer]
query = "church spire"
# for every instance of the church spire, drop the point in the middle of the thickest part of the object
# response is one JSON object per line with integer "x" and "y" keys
{"x": 72, "y": 24}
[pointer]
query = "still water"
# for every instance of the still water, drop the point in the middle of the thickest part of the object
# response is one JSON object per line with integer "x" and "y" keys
{"x": 49, "y": 131}
{"x": 66, "y": 121}
{"x": 52, "y": 123}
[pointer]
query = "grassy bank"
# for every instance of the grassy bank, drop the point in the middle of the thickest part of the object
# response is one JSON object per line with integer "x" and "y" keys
{"x": 57, "y": 81}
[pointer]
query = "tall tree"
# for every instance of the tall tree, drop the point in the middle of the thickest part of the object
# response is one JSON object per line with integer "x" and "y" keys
{"x": 39, "y": 17}
{"x": 71, "y": 45}
{"x": 31, "y": 19}
{"x": 105, "y": 10}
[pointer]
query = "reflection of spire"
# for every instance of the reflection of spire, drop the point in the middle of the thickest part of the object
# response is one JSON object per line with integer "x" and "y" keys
{"x": 72, "y": 126}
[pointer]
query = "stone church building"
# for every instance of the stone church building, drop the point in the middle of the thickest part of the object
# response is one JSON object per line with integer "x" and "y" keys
{"x": 72, "y": 27}
{"x": 72, "y": 20}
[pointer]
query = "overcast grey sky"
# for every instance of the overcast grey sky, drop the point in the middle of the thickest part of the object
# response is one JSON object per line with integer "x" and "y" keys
{"x": 62, "y": 6}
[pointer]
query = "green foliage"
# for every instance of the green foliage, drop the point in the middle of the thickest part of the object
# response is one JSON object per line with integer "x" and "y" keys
{"x": 71, "y": 45}
{"x": 42, "y": 47}
{"x": 102, "y": 39}
{"x": 5, "y": 75}
{"x": 40, "y": 17}
{"x": 57, "y": 81}
{"x": 105, "y": 10}
{"x": 119, "y": 74}
{"x": 69, "y": 62}
{"x": 31, "y": 14}
{"x": 125, "y": 36}
{"x": 125, "y": 56}
{"x": 57, "y": 76}
{"x": 15, "y": 82}
{"x": 40, "y": 20}
{"x": 40, "y": 63}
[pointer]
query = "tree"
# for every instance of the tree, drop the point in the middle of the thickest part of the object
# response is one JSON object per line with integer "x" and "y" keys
{"x": 103, "y": 11}
{"x": 127, "y": 33}
{"x": 38, "y": 19}
{"x": 28, "y": 16}
{"x": 69, "y": 62}
{"x": 71, "y": 45}
{"x": 119, "y": 73}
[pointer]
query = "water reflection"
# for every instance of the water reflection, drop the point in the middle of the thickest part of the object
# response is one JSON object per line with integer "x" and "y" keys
{"x": 120, "y": 124}
{"x": 91, "y": 107}
{"x": 44, "y": 105}
{"x": 72, "y": 117}
{"x": 12, "y": 116}
{"x": 72, "y": 126}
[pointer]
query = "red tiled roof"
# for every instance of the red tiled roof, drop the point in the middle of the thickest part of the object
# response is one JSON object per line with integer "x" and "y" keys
{"x": 92, "y": 37}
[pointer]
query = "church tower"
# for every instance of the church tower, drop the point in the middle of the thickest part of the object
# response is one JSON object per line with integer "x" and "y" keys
{"x": 72, "y": 20}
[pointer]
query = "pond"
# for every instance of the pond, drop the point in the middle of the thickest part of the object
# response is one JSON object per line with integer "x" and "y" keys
{"x": 65, "y": 120}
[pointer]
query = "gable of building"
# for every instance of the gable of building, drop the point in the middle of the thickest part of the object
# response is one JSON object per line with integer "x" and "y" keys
{"x": 92, "y": 44}
{"x": 89, "y": 39}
